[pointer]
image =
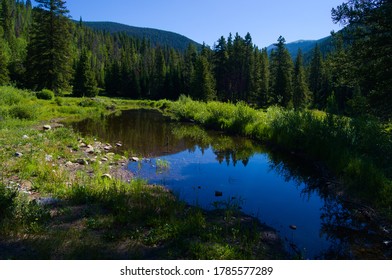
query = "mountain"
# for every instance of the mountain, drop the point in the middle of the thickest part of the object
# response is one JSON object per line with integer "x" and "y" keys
{"x": 156, "y": 36}
{"x": 307, "y": 47}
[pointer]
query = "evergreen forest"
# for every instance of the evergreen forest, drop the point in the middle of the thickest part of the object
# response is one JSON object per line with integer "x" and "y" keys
{"x": 351, "y": 78}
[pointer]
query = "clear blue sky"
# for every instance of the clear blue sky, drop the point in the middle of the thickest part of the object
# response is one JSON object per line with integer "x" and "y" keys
{"x": 207, "y": 20}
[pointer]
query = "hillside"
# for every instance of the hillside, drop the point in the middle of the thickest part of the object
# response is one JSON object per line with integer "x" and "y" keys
{"x": 156, "y": 36}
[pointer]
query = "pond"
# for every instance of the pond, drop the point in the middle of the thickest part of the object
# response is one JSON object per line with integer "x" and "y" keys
{"x": 213, "y": 170}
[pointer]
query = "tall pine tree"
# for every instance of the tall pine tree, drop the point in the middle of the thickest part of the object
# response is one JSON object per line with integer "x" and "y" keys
{"x": 49, "y": 50}
{"x": 203, "y": 82}
{"x": 316, "y": 78}
{"x": 301, "y": 93}
{"x": 84, "y": 83}
{"x": 281, "y": 72}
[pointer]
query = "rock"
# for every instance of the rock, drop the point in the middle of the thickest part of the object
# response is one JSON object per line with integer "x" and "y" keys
{"x": 83, "y": 145}
{"x": 26, "y": 184}
{"x": 68, "y": 164}
{"x": 48, "y": 158}
{"x": 47, "y": 127}
{"x": 90, "y": 150}
{"x": 293, "y": 227}
{"x": 104, "y": 159}
{"x": 47, "y": 201}
{"x": 118, "y": 144}
{"x": 18, "y": 154}
{"x": 82, "y": 161}
{"x": 218, "y": 193}
{"x": 136, "y": 159}
{"x": 107, "y": 176}
{"x": 25, "y": 137}
{"x": 110, "y": 155}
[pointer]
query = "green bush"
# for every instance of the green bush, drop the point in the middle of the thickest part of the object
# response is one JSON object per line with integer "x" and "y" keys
{"x": 45, "y": 94}
{"x": 23, "y": 112}
{"x": 10, "y": 96}
{"x": 7, "y": 203}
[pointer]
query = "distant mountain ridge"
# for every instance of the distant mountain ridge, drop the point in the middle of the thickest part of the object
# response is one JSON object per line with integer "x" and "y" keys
{"x": 306, "y": 46}
{"x": 156, "y": 36}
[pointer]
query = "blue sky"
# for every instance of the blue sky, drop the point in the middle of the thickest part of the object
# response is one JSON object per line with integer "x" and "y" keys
{"x": 207, "y": 20}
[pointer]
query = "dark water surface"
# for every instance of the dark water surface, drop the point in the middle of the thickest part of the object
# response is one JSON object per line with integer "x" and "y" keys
{"x": 210, "y": 169}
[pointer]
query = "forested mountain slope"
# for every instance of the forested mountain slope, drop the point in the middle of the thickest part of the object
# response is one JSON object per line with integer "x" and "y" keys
{"x": 157, "y": 37}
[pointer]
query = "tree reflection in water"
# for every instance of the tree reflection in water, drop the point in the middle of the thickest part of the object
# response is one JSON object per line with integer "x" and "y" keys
{"x": 353, "y": 229}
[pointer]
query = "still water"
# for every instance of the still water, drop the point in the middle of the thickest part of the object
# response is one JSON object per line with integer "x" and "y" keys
{"x": 211, "y": 170}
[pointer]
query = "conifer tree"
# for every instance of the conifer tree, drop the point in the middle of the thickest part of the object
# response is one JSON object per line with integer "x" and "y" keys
{"x": 281, "y": 72}
{"x": 4, "y": 74}
{"x": 203, "y": 83}
{"x": 369, "y": 29}
{"x": 221, "y": 58}
{"x": 316, "y": 78}
{"x": 265, "y": 78}
{"x": 300, "y": 88}
{"x": 49, "y": 50}
{"x": 7, "y": 20}
{"x": 84, "y": 83}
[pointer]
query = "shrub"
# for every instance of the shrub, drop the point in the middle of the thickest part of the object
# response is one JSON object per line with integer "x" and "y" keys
{"x": 10, "y": 96}
{"x": 45, "y": 94}
{"x": 23, "y": 112}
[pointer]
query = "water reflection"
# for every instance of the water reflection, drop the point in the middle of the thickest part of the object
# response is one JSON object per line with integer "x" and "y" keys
{"x": 280, "y": 189}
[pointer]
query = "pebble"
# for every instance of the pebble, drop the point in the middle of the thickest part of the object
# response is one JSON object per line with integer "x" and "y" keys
{"x": 47, "y": 127}
{"x": 217, "y": 193}
{"x": 46, "y": 201}
{"x": 293, "y": 227}
{"x": 48, "y": 158}
{"x": 82, "y": 161}
{"x": 18, "y": 154}
{"x": 135, "y": 159}
{"x": 107, "y": 176}
{"x": 25, "y": 137}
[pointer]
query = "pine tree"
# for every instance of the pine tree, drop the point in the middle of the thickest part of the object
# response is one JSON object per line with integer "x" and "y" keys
{"x": 203, "y": 83}
{"x": 265, "y": 78}
{"x": 300, "y": 88}
{"x": 7, "y": 16}
{"x": 49, "y": 50}
{"x": 369, "y": 29}
{"x": 221, "y": 58}
{"x": 316, "y": 78}
{"x": 281, "y": 75}
{"x": 84, "y": 83}
{"x": 4, "y": 58}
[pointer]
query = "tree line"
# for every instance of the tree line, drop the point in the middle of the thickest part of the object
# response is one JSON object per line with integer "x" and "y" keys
{"x": 41, "y": 48}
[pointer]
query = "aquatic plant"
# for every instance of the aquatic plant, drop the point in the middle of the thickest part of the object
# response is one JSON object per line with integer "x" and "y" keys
{"x": 162, "y": 165}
